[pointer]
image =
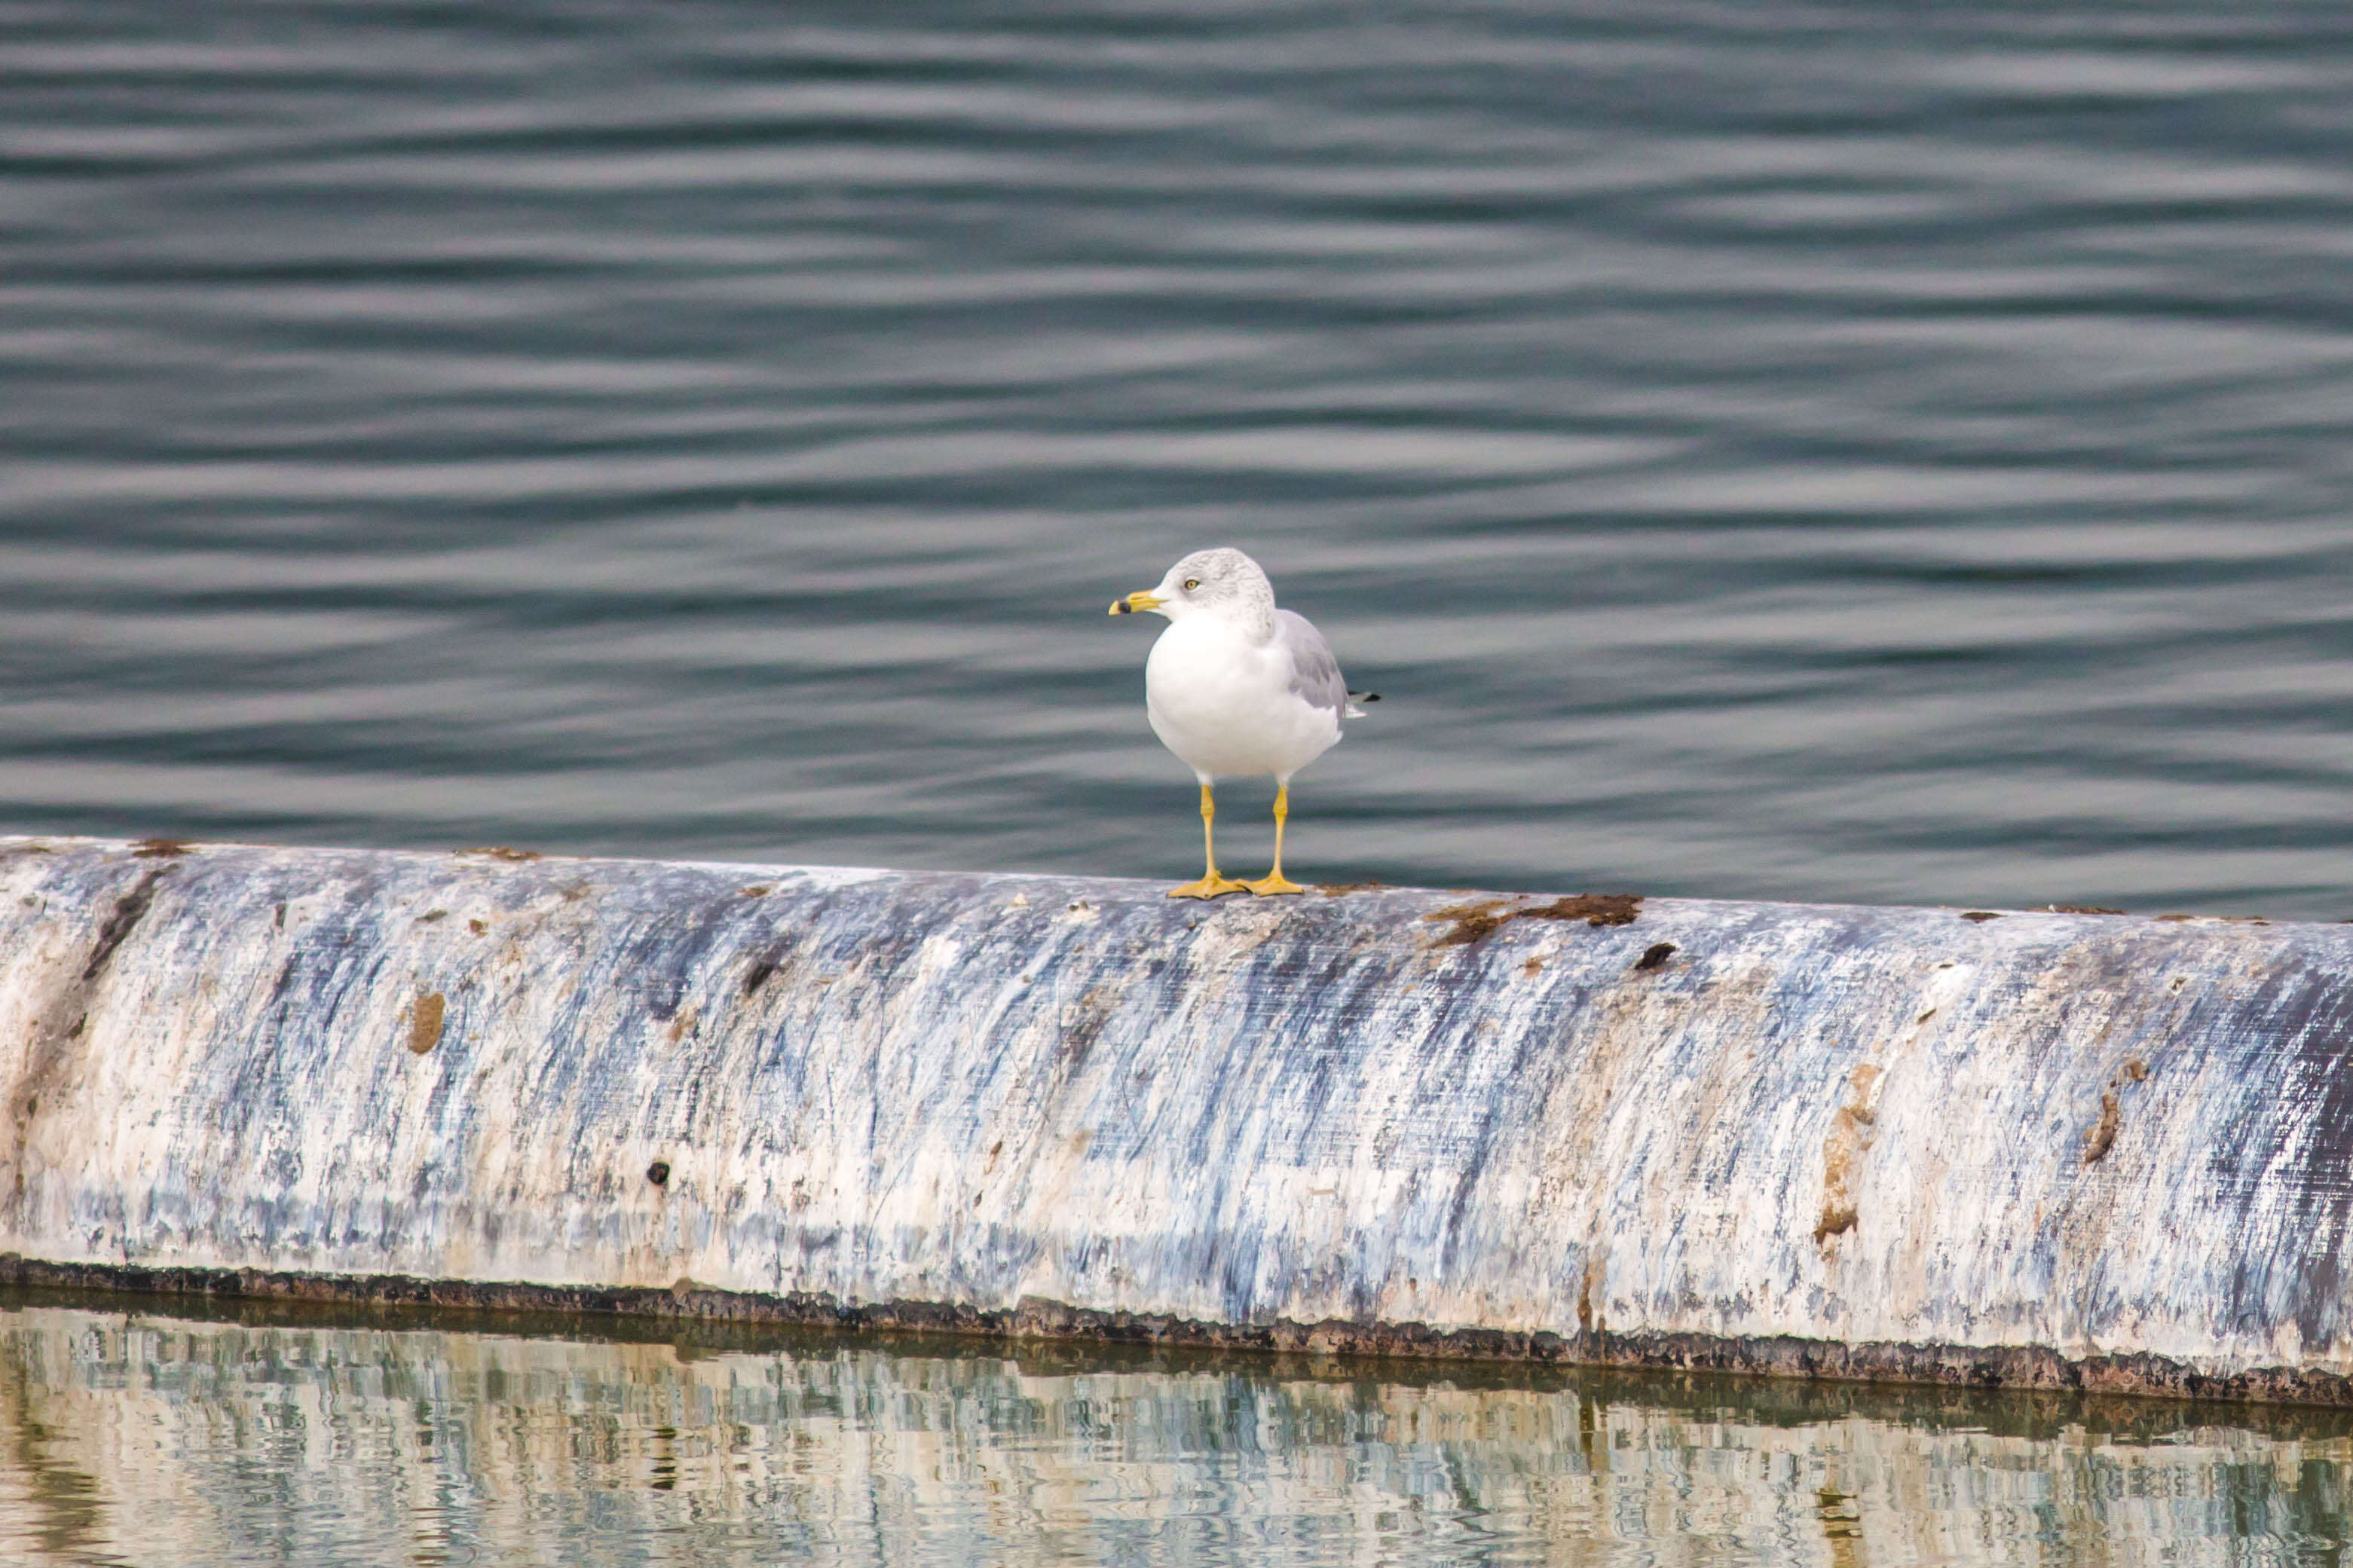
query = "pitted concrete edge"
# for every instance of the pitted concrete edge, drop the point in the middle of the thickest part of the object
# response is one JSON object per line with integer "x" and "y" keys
{"x": 2030, "y": 1367}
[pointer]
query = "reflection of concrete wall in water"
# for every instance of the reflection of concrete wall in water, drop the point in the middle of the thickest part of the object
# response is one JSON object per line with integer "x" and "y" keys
{"x": 365, "y": 1444}
{"x": 1580, "y": 1126}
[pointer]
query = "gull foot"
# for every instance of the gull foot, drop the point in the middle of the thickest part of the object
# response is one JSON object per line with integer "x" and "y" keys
{"x": 1273, "y": 883}
{"x": 1206, "y": 888}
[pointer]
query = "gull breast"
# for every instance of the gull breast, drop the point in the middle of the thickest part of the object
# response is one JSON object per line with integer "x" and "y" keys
{"x": 1223, "y": 702}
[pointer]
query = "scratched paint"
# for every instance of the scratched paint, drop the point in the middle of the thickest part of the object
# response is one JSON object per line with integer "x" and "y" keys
{"x": 2101, "y": 1135}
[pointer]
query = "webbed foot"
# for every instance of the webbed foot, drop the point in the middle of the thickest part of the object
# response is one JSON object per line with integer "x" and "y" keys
{"x": 1207, "y": 888}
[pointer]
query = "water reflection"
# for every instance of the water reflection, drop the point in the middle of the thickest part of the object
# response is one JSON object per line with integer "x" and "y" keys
{"x": 141, "y": 1436}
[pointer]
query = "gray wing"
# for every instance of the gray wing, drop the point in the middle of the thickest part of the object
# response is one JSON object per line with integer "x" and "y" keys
{"x": 1314, "y": 673}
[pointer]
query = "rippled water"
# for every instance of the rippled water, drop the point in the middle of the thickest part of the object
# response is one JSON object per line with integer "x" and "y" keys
{"x": 134, "y": 1437}
{"x": 1864, "y": 451}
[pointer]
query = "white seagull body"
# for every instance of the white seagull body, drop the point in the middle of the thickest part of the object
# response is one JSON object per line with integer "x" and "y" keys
{"x": 1233, "y": 704}
{"x": 1236, "y": 687}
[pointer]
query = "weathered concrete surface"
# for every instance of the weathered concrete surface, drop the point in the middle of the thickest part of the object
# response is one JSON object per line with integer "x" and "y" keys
{"x": 1959, "y": 1145}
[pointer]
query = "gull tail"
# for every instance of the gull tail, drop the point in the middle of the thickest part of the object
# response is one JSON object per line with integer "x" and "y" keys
{"x": 1352, "y": 710}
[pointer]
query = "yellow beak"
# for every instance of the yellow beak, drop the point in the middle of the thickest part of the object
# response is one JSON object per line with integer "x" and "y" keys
{"x": 1136, "y": 602}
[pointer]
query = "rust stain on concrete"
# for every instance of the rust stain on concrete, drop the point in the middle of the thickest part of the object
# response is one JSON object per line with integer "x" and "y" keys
{"x": 1850, "y": 1135}
{"x": 425, "y": 1022}
{"x": 2100, "y": 1136}
{"x": 1475, "y": 921}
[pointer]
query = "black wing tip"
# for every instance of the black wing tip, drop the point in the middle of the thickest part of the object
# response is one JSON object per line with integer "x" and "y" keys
{"x": 1364, "y": 697}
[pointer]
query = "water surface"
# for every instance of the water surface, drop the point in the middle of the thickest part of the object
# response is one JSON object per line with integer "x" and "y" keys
{"x": 1864, "y": 451}
{"x": 130, "y": 1434}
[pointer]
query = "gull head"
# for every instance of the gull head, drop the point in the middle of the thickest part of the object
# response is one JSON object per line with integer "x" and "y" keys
{"x": 1222, "y": 582}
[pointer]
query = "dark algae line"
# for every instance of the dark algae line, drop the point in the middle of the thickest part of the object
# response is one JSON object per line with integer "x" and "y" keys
{"x": 1775, "y": 1357}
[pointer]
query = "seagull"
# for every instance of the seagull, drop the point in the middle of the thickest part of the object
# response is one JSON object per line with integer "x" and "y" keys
{"x": 1236, "y": 687}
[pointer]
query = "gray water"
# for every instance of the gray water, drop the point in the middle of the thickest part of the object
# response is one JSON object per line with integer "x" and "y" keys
{"x": 1868, "y": 451}
{"x": 129, "y": 1435}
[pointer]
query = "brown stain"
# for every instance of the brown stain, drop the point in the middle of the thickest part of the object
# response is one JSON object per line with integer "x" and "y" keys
{"x": 2080, "y": 910}
{"x": 1980, "y": 916}
{"x": 425, "y": 1022}
{"x": 1655, "y": 956}
{"x": 1472, "y": 922}
{"x": 1533, "y": 967}
{"x": 1840, "y": 1514}
{"x": 1843, "y": 1148}
{"x": 756, "y": 891}
{"x": 158, "y": 848}
{"x": 686, "y": 1019}
{"x": 57, "y": 1047}
{"x": 129, "y": 911}
{"x": 1335, "y": 890}
{"x": 1081, "y": 1025}
{"x": 480, "y": 928}
{"x": 2103, "y": 1133}
{"x": 1476, "y": 922}
{"x": 2100, "y": 1136}
{"x": 766, "y": 964}
{"x": 1589, "y": 1320}
{"x": 427, "y": 919}
{"x": 501, "y": 852}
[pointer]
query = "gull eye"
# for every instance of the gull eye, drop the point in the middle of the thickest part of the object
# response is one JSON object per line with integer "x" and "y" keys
{"x": 1191, "y": 583}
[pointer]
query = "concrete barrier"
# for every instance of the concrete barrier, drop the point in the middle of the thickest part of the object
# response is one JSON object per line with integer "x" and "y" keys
{"x": 1992, "y": 1146}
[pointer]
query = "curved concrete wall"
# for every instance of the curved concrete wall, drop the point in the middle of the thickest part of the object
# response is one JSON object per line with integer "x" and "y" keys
{"x": 1814, "y": 1138}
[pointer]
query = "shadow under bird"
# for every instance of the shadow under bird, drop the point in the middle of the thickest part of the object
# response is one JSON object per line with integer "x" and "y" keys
{"x": 1236, "y": 687}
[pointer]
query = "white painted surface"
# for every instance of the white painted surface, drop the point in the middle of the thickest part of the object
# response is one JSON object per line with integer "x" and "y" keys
{"x": 973, "y": 1088}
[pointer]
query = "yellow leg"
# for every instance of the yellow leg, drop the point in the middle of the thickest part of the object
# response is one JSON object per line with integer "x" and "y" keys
{"x": 1275, "y": 881}
{"x": 1211, "y": 885}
